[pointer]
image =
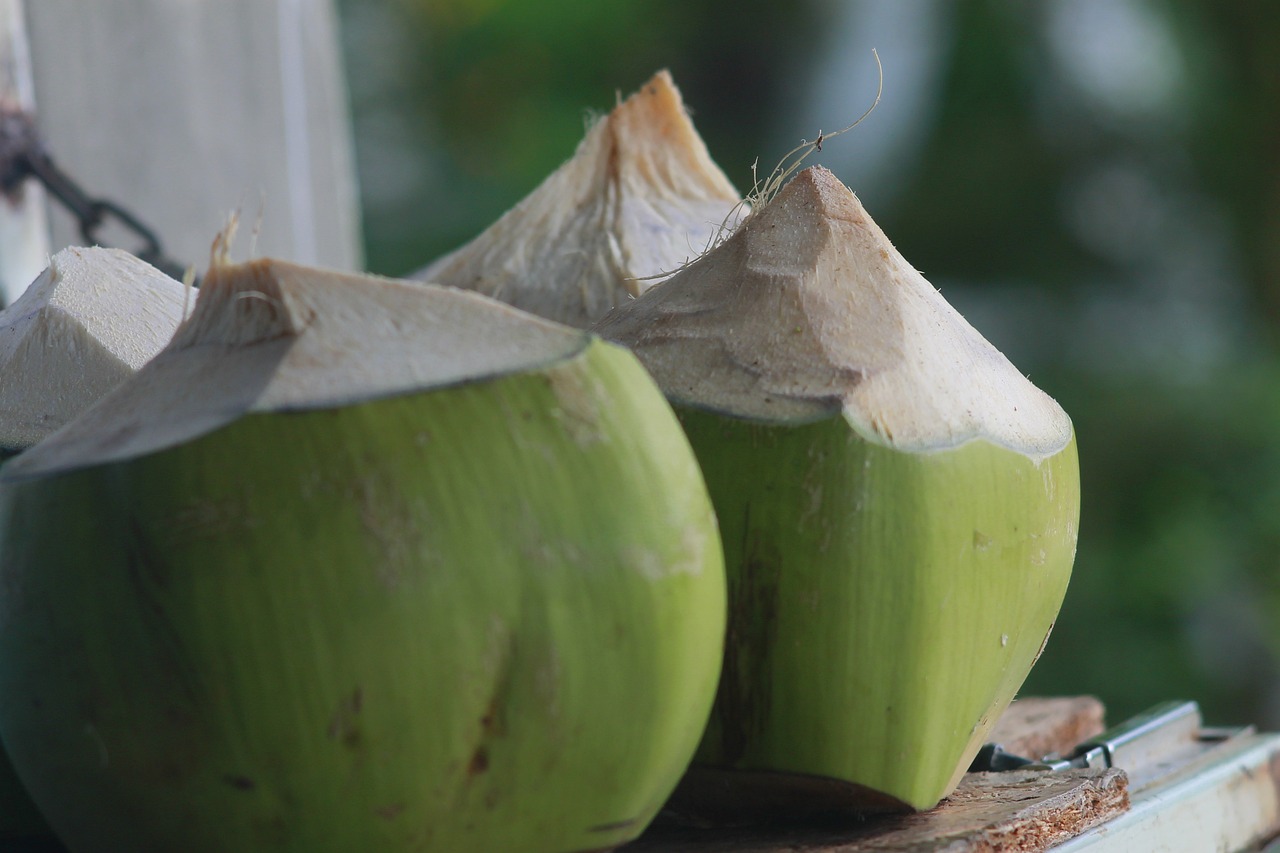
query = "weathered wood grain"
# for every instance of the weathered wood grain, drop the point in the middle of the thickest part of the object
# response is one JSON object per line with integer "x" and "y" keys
{"x": 24, "y": 232}
{"x": 1018, "y": 811}
{"x": 1005, "y": 812}
{"x": 184, "y": 111}
{"x": 1035, "y": 727}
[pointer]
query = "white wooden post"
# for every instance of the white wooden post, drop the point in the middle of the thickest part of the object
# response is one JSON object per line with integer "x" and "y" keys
{"x": 24, "y": 230}
{"x": 182, "y": 112}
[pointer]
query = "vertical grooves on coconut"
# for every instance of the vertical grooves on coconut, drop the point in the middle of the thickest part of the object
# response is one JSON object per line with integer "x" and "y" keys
{"x": 774, "y": 708}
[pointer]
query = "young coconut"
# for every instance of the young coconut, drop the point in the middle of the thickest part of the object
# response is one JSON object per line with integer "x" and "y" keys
{"x": 91, "y": 319}
{"x": 639, "y": 197}
{"x": 898, "y": 505}
{"x": 356, "y": 564}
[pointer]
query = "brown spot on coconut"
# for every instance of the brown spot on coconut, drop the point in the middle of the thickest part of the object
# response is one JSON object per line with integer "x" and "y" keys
{"x": 855, "y": 431}
{"x": 639, "y": 198}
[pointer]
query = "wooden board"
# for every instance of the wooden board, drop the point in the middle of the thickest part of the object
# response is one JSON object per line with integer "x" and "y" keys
{"x": 1035, "y": 727}
{"x": 185, "y": 111}
{"x": 24, "y": 233}
{"x": 1013, "y": 811}
{"x": 1225, "y": 798}
{"x": 1017, "y": 811}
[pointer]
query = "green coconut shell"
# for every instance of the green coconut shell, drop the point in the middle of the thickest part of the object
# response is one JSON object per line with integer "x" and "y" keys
{"x": 884, "y": 606}
{"x": 483, "y": 616}
{"x": 898, "y": 505}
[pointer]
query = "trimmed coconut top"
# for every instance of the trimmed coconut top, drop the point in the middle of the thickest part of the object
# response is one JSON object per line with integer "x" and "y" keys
{"x": 639, "y": 198}
{"x": 807, "y": 310}
{"x": 270, "y": 336}
{"x": 91, "y": 319}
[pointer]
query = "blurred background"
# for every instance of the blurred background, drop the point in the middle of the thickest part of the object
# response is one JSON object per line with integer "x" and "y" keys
{"x": 1095, "y": 184}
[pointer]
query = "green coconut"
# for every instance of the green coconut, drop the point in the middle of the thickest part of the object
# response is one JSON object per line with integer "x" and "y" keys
{"x": 88, "y": 322}
{"x": 356, "y": 564}
{"x": 639, "y": 197}
{"x": 898, "y": 505}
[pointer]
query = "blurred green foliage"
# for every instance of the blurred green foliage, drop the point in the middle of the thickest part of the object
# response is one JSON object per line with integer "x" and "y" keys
{"x": 1176, "y": 592}
{"x": 1118, "y": 236}
{"x": 502, "y": 89}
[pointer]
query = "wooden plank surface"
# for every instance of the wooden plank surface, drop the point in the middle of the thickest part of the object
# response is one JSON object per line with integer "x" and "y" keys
{"x": 724, "y": 797}
{"x": 1035, "y": 727}
{"x": 1228, "y": 798}
{"x": 185, "y": 111}
{"x": 1014, "y": 811}
{"x": 24, "y": 230}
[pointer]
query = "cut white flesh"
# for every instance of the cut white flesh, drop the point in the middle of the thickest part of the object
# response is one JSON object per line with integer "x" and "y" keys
{"x": 639, "y": 198}
{"x": 249, "y": 348}
{"x": 809, "y": 309}
{"x": 91, "y": 319}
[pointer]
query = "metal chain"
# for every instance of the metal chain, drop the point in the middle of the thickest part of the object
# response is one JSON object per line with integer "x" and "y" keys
{"x": 23, "y": 155}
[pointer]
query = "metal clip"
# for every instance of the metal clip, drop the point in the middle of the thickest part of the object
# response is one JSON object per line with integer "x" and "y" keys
{"x": 1136, "y": 742}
